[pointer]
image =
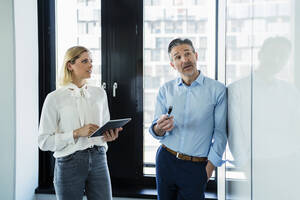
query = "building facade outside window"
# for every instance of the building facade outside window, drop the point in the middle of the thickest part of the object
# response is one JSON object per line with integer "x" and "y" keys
{"x": 165, "y": 20}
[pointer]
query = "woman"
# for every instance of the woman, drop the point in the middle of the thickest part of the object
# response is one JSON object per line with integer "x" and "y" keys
{"x": 70, "y": 115}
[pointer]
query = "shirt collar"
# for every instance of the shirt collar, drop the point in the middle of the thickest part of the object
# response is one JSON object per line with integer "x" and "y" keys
{"x": 199, "y": 80}
{"x": 78, "y": 92}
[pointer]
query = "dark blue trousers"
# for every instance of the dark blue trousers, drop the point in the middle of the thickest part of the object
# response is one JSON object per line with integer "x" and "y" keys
{"x": 179, "y": 179}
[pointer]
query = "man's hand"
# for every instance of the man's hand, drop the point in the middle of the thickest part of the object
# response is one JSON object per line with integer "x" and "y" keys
{"x": 163, "y": 125}
{"x": 111, "y": 134}
{"x": 209, "y": 169}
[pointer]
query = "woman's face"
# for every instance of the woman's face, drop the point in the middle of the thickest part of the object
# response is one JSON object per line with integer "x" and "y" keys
{"x": 82, "y": 68}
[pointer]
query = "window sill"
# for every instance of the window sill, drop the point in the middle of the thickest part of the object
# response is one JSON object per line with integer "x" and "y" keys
{"x": 132, "y": 192}
{"x": 149, "y": 193}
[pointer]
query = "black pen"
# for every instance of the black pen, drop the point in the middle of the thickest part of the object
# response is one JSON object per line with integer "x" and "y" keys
{"x": 169, "y": 111}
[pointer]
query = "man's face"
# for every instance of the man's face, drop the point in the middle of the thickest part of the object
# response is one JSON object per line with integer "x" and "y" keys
{"x": 184, "y": 60}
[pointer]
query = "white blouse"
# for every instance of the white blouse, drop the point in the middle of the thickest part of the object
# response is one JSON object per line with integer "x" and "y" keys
{"x": 67, "y": 109}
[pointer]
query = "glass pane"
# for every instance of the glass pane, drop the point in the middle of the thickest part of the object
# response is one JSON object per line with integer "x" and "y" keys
{"x": 263, "y": 102}
{"x": 79, "y": 23}
{"x": 238, "y": 66}
{"x": 275, "y": 106}
{"x": 165, "y": 20}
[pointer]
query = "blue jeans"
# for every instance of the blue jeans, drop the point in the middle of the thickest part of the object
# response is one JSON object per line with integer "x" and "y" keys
{"x": 179, "y": 179}
{"x": 81, "y": 171}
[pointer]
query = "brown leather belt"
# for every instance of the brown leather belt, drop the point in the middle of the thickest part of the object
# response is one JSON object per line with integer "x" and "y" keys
{"x": 185, "y": 157}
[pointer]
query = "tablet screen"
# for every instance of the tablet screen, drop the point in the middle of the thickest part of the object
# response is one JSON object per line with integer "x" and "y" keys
{"x": 111, "y": 124}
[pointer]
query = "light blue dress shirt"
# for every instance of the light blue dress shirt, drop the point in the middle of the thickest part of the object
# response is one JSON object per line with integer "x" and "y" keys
{"x": 200, "y": 112}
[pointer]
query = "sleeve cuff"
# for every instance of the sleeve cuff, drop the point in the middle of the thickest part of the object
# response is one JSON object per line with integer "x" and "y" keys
{"x": 67, "y": 137}
{"x": 152, "y": 132}
{"x": 214, "y": 158}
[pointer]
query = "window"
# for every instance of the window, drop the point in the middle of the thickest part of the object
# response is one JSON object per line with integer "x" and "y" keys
{"x": 245, "y": 35}
{"x": 157, "y": 70}
{"x": 155, "y": 27}
{"x": 155, "y": 55}
{"x": 169, "y": 27}
{"x": 114, "y": 34}
{"x": 78, "y": 23}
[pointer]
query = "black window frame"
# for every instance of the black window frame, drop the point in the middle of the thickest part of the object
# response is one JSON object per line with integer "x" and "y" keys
{"x": 113, "y": 22}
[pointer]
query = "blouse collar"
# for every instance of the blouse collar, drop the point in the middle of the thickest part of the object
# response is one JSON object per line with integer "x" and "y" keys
{"x": 78, "y": 92}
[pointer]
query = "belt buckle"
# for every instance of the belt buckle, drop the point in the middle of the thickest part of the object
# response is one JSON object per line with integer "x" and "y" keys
{"x": 177, "y": 155}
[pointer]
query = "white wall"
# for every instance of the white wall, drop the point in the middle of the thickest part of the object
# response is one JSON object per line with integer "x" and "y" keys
{"x": 26, "y": 48}
{"x": 19, "y": 99}
{"x": 7, "y": 100}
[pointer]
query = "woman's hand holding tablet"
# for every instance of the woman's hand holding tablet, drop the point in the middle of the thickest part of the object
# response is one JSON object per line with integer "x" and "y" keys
{"x": 111, "y": 125}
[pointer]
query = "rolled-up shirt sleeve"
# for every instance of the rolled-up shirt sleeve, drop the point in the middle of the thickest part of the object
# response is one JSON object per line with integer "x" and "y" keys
{"x": 220, "y": 135}
{"x": 49, "y": 139}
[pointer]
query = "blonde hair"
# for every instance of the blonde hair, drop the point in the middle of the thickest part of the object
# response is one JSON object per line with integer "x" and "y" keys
{"x": 71, "y": 55}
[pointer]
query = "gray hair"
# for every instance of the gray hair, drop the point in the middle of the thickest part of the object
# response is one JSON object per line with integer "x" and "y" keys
{"x": 179, "y": 41}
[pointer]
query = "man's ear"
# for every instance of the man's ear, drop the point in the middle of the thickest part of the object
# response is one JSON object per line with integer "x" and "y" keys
{"x": 172, "y": 65}
{"x": 196, "y": 54}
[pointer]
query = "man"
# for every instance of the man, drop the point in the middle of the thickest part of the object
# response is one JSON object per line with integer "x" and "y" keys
{"x": 194, "y": 138}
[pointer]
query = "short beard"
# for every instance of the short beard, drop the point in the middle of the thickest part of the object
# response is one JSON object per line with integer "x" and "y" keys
{"x": 190, "y": 74}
